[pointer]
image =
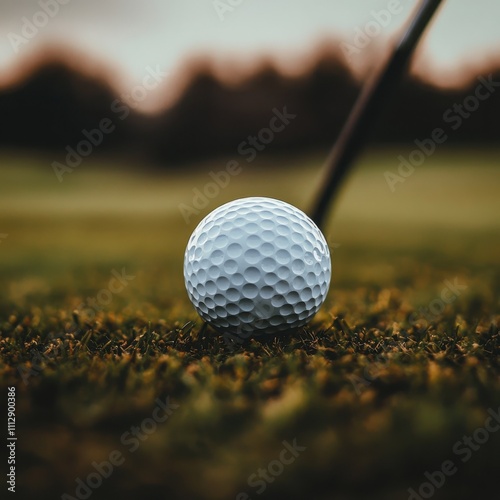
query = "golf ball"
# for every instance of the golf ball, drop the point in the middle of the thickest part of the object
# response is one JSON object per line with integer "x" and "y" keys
{"x": 257, "y": 265}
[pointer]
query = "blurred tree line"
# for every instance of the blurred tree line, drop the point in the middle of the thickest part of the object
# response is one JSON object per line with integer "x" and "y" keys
{"x": 51, "y": 107}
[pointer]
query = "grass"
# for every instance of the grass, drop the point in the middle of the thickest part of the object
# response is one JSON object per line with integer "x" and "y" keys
{"x": 379, "y": 388}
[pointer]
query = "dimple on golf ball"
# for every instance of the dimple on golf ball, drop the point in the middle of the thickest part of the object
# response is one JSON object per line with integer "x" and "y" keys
{"x": 257, "y": 265}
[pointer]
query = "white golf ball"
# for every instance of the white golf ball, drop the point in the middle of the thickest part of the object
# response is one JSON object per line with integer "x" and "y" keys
{"x": 257, "y": 265}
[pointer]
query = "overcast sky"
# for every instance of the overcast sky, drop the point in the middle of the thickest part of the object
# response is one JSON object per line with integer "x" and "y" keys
{"x": 135, "y": 34}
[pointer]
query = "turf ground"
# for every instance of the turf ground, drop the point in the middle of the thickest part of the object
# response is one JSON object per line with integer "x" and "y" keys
{"x": 396, "y": 372}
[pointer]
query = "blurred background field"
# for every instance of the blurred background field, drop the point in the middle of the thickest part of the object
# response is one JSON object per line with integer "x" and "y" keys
{"x": 445, "y": 214}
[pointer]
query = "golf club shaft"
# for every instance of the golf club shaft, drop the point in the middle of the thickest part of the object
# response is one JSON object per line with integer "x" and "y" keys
{"x": 366, "y": 110}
